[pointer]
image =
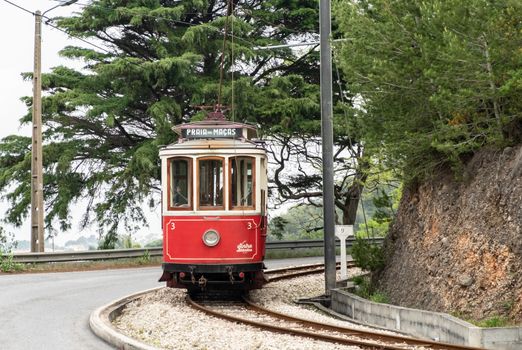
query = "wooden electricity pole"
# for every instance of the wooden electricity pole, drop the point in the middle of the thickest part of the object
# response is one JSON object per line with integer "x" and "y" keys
{"x": 37, "y": 200}
{"x": 37, "y": 209}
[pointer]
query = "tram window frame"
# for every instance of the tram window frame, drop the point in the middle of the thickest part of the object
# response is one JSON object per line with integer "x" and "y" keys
{"x": 222, "y": 183}
{"x": 170, "y": 183}
{"x": 231, "y": 178}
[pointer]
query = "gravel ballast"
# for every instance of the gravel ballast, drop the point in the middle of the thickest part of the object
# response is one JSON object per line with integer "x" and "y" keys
{"x": 163, "y": 319}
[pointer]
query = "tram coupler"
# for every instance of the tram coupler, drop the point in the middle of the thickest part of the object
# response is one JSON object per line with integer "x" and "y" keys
{"x": 230, "y": 276}
{"x": 202, "y": 282}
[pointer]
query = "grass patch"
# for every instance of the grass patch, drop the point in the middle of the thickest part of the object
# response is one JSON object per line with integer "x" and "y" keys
{"x": 7, "y": 263}
{"x": 491, "y": 322}
{"x": 379, "y": 297}
{"x": 364, "y": 289}
{"x": 495, "y": 321}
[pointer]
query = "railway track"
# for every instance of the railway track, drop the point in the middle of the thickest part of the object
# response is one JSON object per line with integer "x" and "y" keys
{"x": 296, "y": 271}
{"x": 244, "y": 311}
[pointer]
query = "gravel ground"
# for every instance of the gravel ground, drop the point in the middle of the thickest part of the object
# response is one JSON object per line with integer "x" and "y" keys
{"x": 163, "y": 319}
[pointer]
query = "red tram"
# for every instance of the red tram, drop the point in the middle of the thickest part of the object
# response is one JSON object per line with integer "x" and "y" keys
{"x": 214, "y": 185}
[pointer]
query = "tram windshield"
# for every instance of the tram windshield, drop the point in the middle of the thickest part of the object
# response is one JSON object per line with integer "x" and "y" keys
{"x": 242, "y": 181}
{"x": 211, "y": 182}
{"x": 179, "y": 183}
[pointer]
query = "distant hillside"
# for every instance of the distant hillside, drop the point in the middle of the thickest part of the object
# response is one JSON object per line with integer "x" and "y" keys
{"x": 82, "y": 243}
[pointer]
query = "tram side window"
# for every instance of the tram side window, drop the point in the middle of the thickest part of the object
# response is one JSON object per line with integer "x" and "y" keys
{"x": 242, "y": 181}
{"x": 211, "y": 183}
{"x": 180, "y": 183}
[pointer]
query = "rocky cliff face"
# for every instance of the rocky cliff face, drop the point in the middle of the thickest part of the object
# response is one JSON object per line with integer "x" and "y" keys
{"x": 456, "y": 246}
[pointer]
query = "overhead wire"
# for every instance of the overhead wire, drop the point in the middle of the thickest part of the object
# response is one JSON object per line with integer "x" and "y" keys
{"x": 222, "y": 64}
{"x": 20, "y": 7}
{"x": 230, "y": 7}
{"x": 342, "y": 97}
{"x": 232, "y": 35}
{"x": 105, "y": 50}
{"x": 78, "y": 38}
{"x": 232, "y": 59}
{"x": 58, "y": 28}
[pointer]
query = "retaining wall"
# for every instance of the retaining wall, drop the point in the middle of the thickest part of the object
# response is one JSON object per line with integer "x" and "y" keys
{"x": 425, "y": 324}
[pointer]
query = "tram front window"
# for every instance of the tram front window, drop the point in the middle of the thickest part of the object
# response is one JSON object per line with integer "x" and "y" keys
{"x": 242, "y": 181}
{"x": 211, "y": 183}
{"x": 179, "y": 183}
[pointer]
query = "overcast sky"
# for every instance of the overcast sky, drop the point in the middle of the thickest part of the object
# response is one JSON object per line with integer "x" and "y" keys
{"x": 17, "y": 28}
{"x": 17, "y": 56}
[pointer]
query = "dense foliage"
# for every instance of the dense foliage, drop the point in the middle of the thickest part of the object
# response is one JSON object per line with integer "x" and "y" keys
{"x": 155, "y": 61}
{"x": 425, "y": 84}
{"x": 7, "y": 242}
{"x": 434, "y": 80}
{"x": 375, "y": 212}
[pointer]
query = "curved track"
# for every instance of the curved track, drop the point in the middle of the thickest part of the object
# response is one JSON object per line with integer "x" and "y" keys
{"x": 296, "y": 271}
{"x": 258, "y": 316}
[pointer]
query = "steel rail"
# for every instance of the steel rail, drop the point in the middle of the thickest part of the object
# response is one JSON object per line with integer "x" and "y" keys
{"x": 298, "y": 271}
{"x": 358, "y": 332}
{"x": 301, "y": 270}
{"x": 49, "y": 257}
{"x": 395, "y": 342}
{"x": 295, "y": 332}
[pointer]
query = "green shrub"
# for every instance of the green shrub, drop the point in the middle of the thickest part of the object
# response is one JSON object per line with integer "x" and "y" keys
{"x": 363, "y": 286}
{"x": 7, "y": 263}
{"x": 365, "y": 290}
{"x": 379, "y": 297}
{"x": 144, "y": 259}
{"x": 7, "y": 244}
{"x": 367, "y": 256}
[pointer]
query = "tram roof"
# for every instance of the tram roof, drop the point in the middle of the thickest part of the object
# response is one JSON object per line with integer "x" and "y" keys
{"x": 212, "y": 134}
{"x": 233, "y": 145}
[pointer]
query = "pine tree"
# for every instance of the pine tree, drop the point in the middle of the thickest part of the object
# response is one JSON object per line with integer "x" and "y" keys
{"x": 435, "y": 80}
{"x": 154, "y": 62}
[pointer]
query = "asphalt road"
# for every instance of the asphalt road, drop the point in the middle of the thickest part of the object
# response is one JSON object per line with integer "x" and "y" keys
{"x": 50, "y": 311}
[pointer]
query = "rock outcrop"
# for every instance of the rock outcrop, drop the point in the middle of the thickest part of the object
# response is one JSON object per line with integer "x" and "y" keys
{"x": 456, "y": 245}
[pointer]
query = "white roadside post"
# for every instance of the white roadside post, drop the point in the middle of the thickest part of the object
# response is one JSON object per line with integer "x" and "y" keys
{"x": 342, "y": 232}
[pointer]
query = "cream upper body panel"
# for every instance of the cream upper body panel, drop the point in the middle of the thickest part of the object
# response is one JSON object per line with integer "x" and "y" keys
{"x": 206, "y": 146}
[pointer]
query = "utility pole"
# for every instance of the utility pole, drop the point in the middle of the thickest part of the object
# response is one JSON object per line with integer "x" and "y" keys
{"x": 327, "y": 141}
{"x": 37, "y": 200}
{"x": 37, "y": 210}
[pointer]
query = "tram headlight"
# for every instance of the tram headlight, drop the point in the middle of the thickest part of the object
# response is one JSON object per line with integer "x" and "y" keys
{"x": 211, "y": 238}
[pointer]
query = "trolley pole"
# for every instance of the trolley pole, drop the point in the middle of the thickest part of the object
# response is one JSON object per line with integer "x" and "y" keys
{"x": 37, "y": 210}
{"x": 327, "y": 142}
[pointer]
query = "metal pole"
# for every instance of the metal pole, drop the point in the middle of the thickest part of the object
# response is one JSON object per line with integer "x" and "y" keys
{"x": 327, "y": 141}
{"x": 37, "y": 231}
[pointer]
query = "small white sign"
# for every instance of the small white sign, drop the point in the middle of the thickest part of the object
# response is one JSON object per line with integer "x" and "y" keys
{"x": 343, "y": 231}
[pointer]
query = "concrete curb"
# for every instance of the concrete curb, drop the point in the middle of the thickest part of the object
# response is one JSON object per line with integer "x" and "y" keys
{"x": 343, "y": 317}
{"x": 425, "y": 324}
{"x": 101, "y": 319}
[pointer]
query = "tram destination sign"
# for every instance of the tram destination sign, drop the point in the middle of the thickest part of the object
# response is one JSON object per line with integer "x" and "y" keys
{"x": 213, "y": 133}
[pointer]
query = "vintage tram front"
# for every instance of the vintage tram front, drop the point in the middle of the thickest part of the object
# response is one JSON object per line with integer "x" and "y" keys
{"x": 214, "y": 185}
